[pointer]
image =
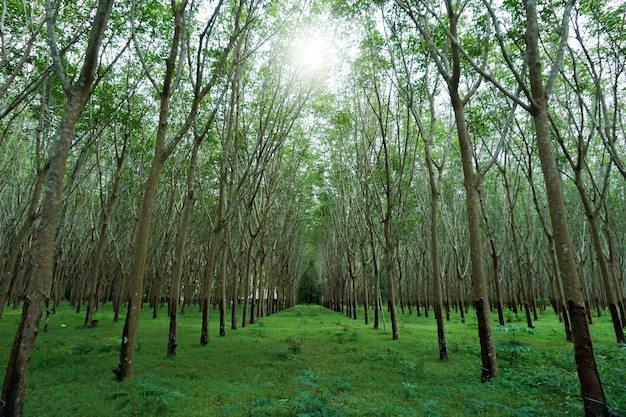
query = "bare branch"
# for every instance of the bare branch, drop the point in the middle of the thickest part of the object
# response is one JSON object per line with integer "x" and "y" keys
{"x": 556, "y": 65}
{"x": 138, "y": 49}
{"x": 503, "y": 140}
{"x": 51, "y": 15}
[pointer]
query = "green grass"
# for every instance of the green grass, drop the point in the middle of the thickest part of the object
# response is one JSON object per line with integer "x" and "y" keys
{"x": 309, "y": 361}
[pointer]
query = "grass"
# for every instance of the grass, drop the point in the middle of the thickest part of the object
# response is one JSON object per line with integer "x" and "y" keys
{"x": 309, "y": 361}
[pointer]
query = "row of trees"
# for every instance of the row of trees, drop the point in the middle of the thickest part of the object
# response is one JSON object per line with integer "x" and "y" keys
{"x": 525, "y": 103}
{"x": 153, "y": 153}
{"x": 179, "y": 153}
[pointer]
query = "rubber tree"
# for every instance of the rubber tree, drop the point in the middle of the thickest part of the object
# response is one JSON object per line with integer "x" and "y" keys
{"x": 450, "y": 68}
{"x": 423, "y": 111}
{"x": 591, "y": 386}
{"x": 164, "y": 146}
{"x": 592, "y": 196}
{"x": 77, "y": 94}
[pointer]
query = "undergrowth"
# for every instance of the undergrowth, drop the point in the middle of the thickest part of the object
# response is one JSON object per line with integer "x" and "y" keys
{"x": 309, "y": 361}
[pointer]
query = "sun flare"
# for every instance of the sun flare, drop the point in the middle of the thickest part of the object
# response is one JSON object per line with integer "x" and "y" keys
{"x": 311, "y": 53}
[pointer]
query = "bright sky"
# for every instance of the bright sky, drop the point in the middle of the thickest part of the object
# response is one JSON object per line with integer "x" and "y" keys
{"x": 324, "y": 48}
{"x": 313, "y": 50}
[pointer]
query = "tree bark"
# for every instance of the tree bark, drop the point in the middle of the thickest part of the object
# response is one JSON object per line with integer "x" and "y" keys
{"x": 104, "y": 226}
{"x": 593, "y": 395}
{"x": 125, "y": 368}
{"x": 471, "y": 182}
{"x": 14, "y": 385}
{"x": 177, "y": 267}
{"x": 605, "y": 272}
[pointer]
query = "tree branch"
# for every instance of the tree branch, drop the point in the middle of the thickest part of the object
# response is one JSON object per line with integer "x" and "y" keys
{"x": 51, "y": 16}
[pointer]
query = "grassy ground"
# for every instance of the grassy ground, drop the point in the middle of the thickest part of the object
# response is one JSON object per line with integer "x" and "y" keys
{"x": 309, "y": 361}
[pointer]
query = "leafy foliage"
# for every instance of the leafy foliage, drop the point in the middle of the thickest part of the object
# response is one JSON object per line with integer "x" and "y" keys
{"x": 320, "y": 402}
{"x": 142, "y": 398}
{"x": 489, "y": 407}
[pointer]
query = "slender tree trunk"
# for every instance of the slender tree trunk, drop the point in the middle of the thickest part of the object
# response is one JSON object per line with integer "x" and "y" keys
{"x": 496, "y": 278}
{"x": 235, "y": 296}
{"x": 479, "y": 284}
{"x": 14, "y": 252}
{"x": 255, "y": 288}
{"x": 377, "y": 295}
{"x": 221, "y": 285}
{"x": 601, "y": 258}
{"x": 366, "y": 302}
{"x": 495, "y": 256}
{"x": 261, "y": 288}
{"x": 516, "y": 250}
{"x": 246, "y": 287}
{"x": 7, "y": 271}
{"x": 97, "y": 257}
{"x": 125, "y": 368}
{"x": 616, "y": 275}
{"x": 14, "y": 386}
{"x": 177, "y": 267}
{"x": 206, "y": 292}
{"x": 471, "y": 182}
{"x": 437, "y": 290}
{"x": 391, "y": 297}
{"x": 593, "y": 395}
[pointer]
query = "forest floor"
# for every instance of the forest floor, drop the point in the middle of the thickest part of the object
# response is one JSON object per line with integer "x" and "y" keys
{"x": 310, "y": 361}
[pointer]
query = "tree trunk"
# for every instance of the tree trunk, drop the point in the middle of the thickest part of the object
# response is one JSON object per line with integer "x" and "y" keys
{"x": 391, "y": 298}
{"x": 471, "y": 182}
{"x": 97, "y": 257}
{"x": 600, "y": 257}
{"x": 125, "y": 368}
{"x": 209, "y": 269}
{"x": 14, "y": 252}
{"x": 246, "y": 287}
{"x": 14, "y": 386}
{"x": 221, "y": 285}
{"x": 365, "y": 279}
{"x": 177, "y": 267}
{"x": 593, "y": 395}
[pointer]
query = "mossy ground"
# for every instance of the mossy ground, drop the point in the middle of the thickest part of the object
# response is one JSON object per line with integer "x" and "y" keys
{"x": 309, "y": 361}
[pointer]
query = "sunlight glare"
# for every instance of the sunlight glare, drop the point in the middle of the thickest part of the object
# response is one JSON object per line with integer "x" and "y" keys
{"x": 311, "y": 53}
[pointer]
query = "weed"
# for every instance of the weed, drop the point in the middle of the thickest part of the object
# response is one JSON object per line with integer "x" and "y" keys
{"x": 389, "y": 409}
{"x": 396, "y": 360}
{"x": 86, "y": 347}
{"x": 612, "y": 363}
{"x": 511, "y": 317}
{"x": 409, "y": 390}
{"x": 514, "y": 329}
{"x": 319, "y": 403}
{"x": 142, "y": 398}
{"x": 514, "y": 348}
{"x": 283, "y": 354}
{"x": 260, "y": 333}
{"x": 494, "y": 408}
{"x": 193, "y": 375}
{"x": 465, "y": 347}
{"x": 295, "y": 344}
{"x": 259, "y": 406}
{"x": 70, "y": 368}
{"x": 428, "y": 409}
{"x": 255, "y": 406}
